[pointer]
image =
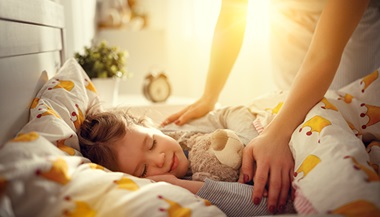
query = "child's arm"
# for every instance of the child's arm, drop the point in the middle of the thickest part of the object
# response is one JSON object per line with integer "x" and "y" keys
{"x": 232, "y": 198}
{"x": 190, "y": 185}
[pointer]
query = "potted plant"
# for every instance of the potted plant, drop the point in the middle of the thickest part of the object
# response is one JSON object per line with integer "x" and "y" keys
{"x": 105, "y": 65}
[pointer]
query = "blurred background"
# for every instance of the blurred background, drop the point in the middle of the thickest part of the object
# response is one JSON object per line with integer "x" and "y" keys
{"x": 173, "y": 36}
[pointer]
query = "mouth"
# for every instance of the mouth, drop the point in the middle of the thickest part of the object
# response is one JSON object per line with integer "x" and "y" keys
{"x": 174, "y": 163}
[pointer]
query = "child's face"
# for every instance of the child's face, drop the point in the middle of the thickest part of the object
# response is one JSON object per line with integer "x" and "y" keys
{"x": 146, "y": 152}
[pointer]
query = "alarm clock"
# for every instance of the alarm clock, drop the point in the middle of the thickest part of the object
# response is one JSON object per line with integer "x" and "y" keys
{"x": 156, "y": 87}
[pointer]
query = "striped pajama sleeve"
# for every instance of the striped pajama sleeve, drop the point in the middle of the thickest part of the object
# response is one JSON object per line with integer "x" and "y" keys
{"x": 234, "y": 199}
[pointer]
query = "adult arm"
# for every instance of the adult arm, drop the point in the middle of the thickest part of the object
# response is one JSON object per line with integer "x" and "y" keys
{"x": 227, "y": 42}
{"x": 270, "y": 150}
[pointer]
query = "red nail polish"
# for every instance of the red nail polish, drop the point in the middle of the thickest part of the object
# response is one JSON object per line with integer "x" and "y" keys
{"x": 272, "y": 209}
{"x": 246, "y": 178}
{"x": 281, "y": 208}
{"x": 256, "y": 201}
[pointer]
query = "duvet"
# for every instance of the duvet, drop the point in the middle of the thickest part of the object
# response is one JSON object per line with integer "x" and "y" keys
{"x": 336, "y": 149}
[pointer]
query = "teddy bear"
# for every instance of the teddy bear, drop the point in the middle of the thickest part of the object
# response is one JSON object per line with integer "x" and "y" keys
{"x": 216, "y": 155}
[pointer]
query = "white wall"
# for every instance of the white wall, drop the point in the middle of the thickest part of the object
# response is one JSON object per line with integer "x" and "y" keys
{"x": 79, "y": 24}
{"x": 178, "y": 41}
{"x": 190, "y": 26}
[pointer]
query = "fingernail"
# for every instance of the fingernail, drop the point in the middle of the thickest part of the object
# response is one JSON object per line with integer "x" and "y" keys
{"x": 281, "y": 208}
{"x": 246, "y": 178}
{"x": 272, "y": 209}
{"x": 256, "y": 201}
{"x": 177, "y": 122}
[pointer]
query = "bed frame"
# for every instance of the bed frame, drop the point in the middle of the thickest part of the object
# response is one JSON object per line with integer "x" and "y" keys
{"x": 31, "y": 51}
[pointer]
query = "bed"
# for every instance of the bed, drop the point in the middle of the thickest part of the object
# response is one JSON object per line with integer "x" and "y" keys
{"x": 44, "y": 99}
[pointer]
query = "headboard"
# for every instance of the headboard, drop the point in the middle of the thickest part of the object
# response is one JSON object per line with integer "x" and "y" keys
{"x": 31, "y": 51}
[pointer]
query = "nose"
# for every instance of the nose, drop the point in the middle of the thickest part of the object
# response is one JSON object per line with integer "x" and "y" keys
{"x": 157, "y": 159}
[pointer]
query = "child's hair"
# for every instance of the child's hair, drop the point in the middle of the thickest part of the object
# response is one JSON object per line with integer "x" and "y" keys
{"x": 100, "y": 130}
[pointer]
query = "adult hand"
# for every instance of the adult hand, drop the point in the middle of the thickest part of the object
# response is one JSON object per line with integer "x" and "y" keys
{"x": 196, "y": 110}
{"x": 268, "y": 159}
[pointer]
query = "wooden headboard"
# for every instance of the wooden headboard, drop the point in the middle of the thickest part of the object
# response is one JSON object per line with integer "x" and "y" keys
{"x": 31, "y": 51}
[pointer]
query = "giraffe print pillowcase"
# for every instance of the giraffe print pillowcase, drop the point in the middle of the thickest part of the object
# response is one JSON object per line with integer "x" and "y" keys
{"x": 59, "y": 107}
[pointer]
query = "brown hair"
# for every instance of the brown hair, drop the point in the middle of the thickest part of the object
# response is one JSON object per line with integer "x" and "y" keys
{"x": 100, "y": 130}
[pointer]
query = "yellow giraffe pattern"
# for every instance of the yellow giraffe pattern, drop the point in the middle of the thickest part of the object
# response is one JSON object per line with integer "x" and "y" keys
{"x": 316, "y": 124}
{"x": 82, "y": 209}
{"x": 328, "y": 105}
{"x": 61, "y": 145}
{"x": 359, "y": 208}
{"x": 65, "y": 84}
{"x": 307, "y": 165}
{"x": 127, "y": 184}
{"x": 57, "y": 173}
{"x": 49, "y": 111}
{"x": 27, "y": 137}
{"x": 371, "y": 175}
{"x": 373, "y": 114}
{"x": 369, "y": 79}
{"x": 90, "y": 86}
{"x": 276, "y": 109}
{"x": 175, "y": 209}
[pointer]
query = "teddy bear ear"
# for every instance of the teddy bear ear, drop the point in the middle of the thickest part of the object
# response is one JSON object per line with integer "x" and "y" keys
{"x": 219, "y": 139}
{"x": 227, "y": 148}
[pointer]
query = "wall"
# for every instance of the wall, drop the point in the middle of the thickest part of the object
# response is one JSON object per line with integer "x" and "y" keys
{"x": 178, "y": 41}
{"x": 79, "y": 24}
{"x": 189, "y": 29}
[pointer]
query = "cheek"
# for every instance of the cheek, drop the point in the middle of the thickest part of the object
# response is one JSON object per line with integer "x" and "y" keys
{"x": 170, "y": 143}
{"x": 184, "y": 165}
{"x": 126, "y": 159}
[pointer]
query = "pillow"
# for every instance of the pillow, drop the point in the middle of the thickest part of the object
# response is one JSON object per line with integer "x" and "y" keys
{"x": 37, "y": 179}
{"x": 41, "y": 179}
{"x": 59, "y": 107}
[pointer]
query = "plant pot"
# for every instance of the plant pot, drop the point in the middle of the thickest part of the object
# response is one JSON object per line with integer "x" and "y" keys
{"x": 107, "y": 89}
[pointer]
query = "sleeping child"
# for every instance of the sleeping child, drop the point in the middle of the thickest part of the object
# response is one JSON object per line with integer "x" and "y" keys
{"x": 335, "y": 149}
{"x": 122, "y": 142}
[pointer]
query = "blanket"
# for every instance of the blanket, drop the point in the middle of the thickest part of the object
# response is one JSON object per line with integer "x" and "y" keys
{"x": 336, "y": 149}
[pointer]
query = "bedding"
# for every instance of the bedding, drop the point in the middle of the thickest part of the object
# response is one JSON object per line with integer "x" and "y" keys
{"x": 42, "y": 172}
{"x": 336, "y": 149}
{"x": 334, "y": 171}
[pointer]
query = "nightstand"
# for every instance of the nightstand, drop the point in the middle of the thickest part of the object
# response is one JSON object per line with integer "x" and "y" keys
{"x": 140, "y": 106}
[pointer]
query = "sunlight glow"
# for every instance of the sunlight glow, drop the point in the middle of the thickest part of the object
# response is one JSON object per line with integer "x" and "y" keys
{"x": 190, "y": 31}
{"x": 199, "y": 18}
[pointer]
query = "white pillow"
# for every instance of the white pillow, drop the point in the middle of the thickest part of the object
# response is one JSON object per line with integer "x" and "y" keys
{"x": 59, "y": 107}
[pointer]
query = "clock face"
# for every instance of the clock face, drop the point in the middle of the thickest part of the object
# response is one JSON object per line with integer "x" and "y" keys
{"x": 157, "y": 87}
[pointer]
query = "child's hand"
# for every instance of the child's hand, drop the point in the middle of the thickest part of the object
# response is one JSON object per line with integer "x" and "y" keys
{"x": 192, "y": 186}
{"x": 165, "y": 178}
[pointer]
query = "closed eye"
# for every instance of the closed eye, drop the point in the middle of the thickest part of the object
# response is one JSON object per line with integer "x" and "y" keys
{"x": 144, "y": 171}
{"x": 154, "y": 142}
